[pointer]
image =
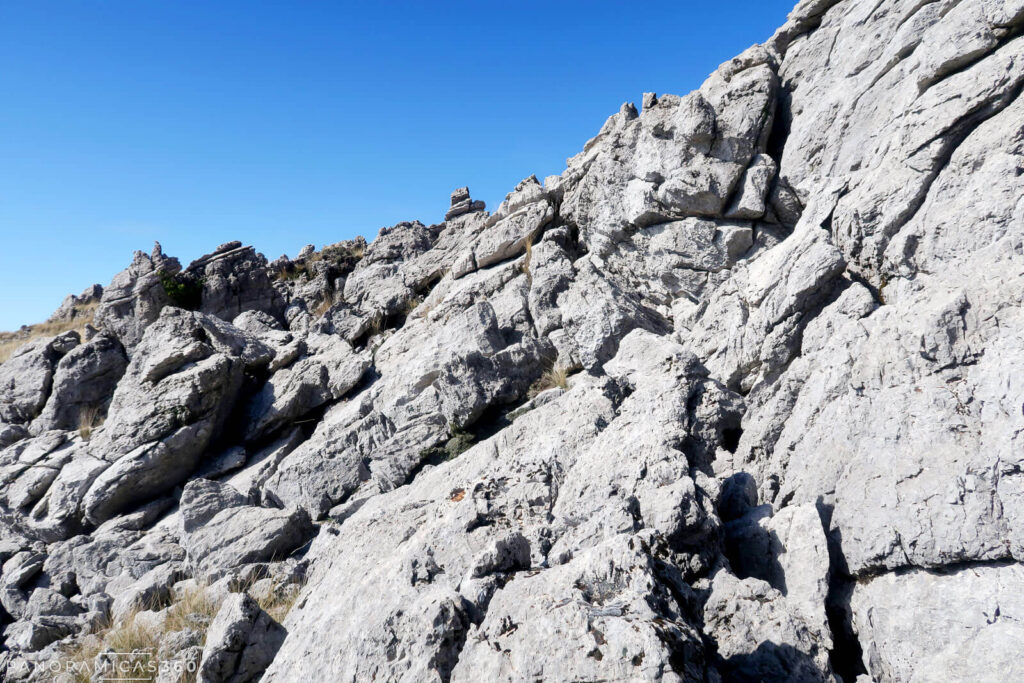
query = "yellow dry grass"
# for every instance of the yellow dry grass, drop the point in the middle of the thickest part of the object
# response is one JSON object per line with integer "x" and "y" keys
{"x": 555, "y": 376}
{"x": 12, "y": 341}
{"x": 279, "y": 602}
{"x": 322, "y": 307}
{"x": 128, "y": 635}
{"x": 527, "y": 258}
{"x": 193, "y": 609}
{"x": 89, "y": 419}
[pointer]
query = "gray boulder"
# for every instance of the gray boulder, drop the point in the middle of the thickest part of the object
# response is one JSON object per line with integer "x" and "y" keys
{"x": 221, "y": 532}
{"x": 26, "y": 378}
{"x": 462, "y": 203}
{"x": 234, "y": 279}
{"x": 136, "y": 295}
{"x": 83, "y": 383}
{"x": 77, "y": 306}
{"x": 241, "y": 642}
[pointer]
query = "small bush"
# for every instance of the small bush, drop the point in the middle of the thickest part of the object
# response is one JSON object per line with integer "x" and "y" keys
{"x": 278, "y": 602}
{"x": 344, "y": 258}
{"x": 297, "y": 271}
{"x": 459, "y": 442}
{"x": 184, "y": 291}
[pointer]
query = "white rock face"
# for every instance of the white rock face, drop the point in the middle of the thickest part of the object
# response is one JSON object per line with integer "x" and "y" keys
{"x": 738, "y": 396}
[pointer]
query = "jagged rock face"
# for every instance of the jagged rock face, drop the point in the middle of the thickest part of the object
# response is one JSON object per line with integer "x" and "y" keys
{"x": 222, "y": 532}
{"x": 136, "y": 295}
{"x": 242, "y": 641}
{"x": 73, "y": 305}
{"x": 83, "y": 382}
{"x": 234, "y": 279}
{"x": 736, "y": 397}
{"x": 26, "y": 379}
{"x": 177, "y": 393}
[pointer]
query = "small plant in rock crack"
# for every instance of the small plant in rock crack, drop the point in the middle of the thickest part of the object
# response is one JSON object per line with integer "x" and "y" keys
{"x": 184, "y": 290}
{"x": 555, "y": 376}
{"x": 527, "y": 259}
{"x": 295, "y": 271}
{"x": 89, "y": 418}
{"x": 411, "y": 305}
{"x": 321, "y": 308}
{"x": 459, "y": 442}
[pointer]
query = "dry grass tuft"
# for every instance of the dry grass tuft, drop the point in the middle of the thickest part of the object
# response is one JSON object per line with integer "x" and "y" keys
{"x": 131, "y": 636}
{"x": 411, "y": 305}
{"x": 527, "y": 258}
{"x": 195, "y": 610}
{"x": 89, "y": 419}
{"x": 79, "y": 660}
{"x": 321, "y": 308}
{"x": 555, "y": 376}
{"x": 278, "y": 602}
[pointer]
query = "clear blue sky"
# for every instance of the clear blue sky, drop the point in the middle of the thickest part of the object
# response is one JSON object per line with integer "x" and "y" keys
{"x": 284, "y": 123}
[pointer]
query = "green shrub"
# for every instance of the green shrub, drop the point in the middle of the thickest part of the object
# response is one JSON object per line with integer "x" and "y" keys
{"x": 460, "y": 442}
{"x": 183, "y": 290}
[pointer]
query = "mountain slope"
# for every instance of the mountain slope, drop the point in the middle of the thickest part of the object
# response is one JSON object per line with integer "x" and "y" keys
{"x": 737, "y": 396}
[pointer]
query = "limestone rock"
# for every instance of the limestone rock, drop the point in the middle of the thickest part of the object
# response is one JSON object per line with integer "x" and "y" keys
{"x": 176, "y": 394}
{"x": 462, "y": 204}
{"x": 737, "y": 396}
{"x": 222, "y": 532}
{"x": 956, "y": 625}
{"x": 136, "y": 295}
{"x": 26, "y": 379}
{"x": 75, "y": 306}
{"x": 234, "y": 279}
{"x": 241, "y": 642}
{"x": 326, "y": 374}
{"x": 83, "y": 382}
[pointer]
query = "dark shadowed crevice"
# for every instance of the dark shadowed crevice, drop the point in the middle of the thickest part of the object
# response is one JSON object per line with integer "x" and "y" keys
{"x": 731, "y": 438}
{"x": 782, "y": 124}
{"x": 846, "y": 656}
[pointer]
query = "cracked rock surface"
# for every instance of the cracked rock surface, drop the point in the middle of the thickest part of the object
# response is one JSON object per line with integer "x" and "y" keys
{"x": 738, "y": 396}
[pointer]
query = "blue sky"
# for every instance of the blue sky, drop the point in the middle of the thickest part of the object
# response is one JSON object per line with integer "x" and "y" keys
{"x": 287, "y": 123}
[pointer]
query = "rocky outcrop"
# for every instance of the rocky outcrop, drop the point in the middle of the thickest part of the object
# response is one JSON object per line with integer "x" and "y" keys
{"x": 735, "y": 397}
{"x": 175, "y": 398}
{"x": 76, "y": 306}
{"x": 26, "y": 379}
{"x": 83, "y": 383}
{"x": 234, "y": 279}
{"x": 136, "y": 295}
{"x": 222, "y": 532}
